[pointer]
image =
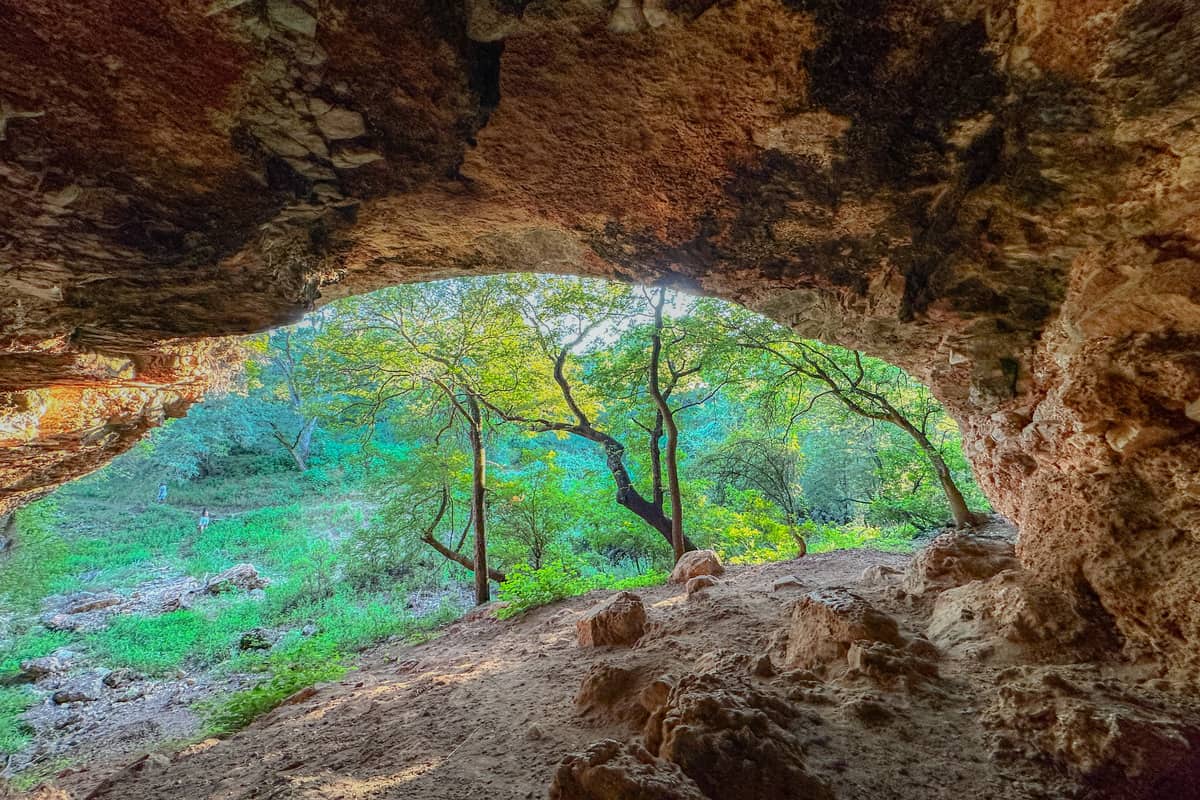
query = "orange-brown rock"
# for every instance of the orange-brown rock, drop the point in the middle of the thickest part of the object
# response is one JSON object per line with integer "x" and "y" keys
{"x": 696, "y": 563}
{"x": 826, "y": 622}
{"x": 957, "y": 558}
{"x": 610, "y": 770}
{"x": 619, "y": 621}
{"x": 1002, "y": 197}
{"x": 1014, "y": 617}
{"x": 733, "y": 741}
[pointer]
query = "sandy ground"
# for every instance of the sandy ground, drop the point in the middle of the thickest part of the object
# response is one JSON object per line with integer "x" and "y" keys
{"x": 489, "y": 709}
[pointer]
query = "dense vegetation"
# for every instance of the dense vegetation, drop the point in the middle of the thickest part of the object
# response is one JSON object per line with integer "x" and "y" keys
{"x": 540, "y": 437}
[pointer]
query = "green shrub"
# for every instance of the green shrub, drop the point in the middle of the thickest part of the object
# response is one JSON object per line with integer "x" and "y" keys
{"x": 526, "y": 588}
{"x": 292, "y": 669}
{"x": 188, "y": 638}
{"x": 824, "y": 538}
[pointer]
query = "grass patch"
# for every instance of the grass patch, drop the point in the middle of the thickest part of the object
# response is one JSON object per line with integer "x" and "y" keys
{"x": 14, "y": 733}
{"x": 297, "y": 662}
{"x": 31, "y": 643}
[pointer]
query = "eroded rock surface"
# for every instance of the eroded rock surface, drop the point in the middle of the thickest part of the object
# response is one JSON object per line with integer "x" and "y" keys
{"x": 1002, "y": 197}
{"x": 956, "y": 558}
{"x": 619, "y": 621}
{"x": 1014, "y": 617}
{"x": 826, "y": 622}
{"x": 732, "y": 740}
{"x": 1122, "y": 742}
{"x": 610, "y": 770}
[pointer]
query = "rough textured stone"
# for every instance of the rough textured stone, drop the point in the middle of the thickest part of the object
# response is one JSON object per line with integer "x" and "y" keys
{"x": 733, "y": 741}
{"x": 1121, "y": 744}
{"x": 700, "y": 583}
{"x": 696, "y": 563}
{"x": 611, "y": 693}
{"x": 1011, "y": 616}
{"x": 957, "y": 558}
{"x": 240, "y": 577}
{"x": 1002, "y": 197}
{"x": 37, "y": 668}
{"x": 825, "y": 623}
{"x": 618, "y": 621}
{"x": 610, "y": 770}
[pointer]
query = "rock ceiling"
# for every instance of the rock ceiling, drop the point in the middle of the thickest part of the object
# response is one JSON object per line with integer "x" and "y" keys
{"x": 1001, "y": 196}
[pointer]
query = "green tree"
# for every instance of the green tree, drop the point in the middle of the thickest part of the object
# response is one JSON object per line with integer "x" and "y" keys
{"x": 448, "y": 350}
{"x": 806, "y": 372}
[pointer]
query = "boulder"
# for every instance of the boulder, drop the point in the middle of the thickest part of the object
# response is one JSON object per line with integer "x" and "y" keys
{"x": 700, "y": 583}
{"x": 694, "y": 563}
{"x": 618, "y": 621}
{"x": 1011, "y": 616}
{"x": 240, "y": 577}
{"x": 957, "y": 558}
{"x": 733, "y": 741}
{"x": 825, "y": 623}
{"x": 37, "y": 668}
{"x": 1127, "y": 743}
{"x": 610, "y": 770}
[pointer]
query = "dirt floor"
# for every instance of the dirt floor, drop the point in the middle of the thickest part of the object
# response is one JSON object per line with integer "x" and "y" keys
{"x": 489, "y": 709}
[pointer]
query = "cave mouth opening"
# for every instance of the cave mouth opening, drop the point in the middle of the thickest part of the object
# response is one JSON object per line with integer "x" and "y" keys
{"x": 325, "y": 495}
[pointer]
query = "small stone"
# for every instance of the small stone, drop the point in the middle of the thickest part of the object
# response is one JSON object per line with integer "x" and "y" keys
{"x": 787, "y": 582}
{"x": 694, "y": 563}
{"x": 353, "y": 157}
{"x": 700, "y": 583}
{"x": 341, "y": 123}
{"x": 290, "y": 17}
{"x": 534, "y": 732}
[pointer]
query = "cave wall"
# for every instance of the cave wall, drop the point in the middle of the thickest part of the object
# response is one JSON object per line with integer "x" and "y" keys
{"x": 1000, "y": 196}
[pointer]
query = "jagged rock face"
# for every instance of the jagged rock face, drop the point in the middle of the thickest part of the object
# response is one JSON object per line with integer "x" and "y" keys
{"x": 1000, "y": 196}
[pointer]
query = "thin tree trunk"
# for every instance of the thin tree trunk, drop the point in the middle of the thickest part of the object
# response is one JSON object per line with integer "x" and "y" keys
{"x": 958, "y": 504}
{"x": 430, "y": 538}
{"x": 656, "y": 470}
{"x": 672, "y": 431}
{"x": 478, "y": 487}
{"x": 304, "y": 444}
